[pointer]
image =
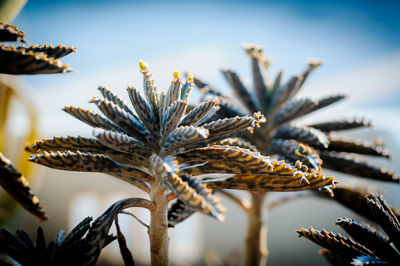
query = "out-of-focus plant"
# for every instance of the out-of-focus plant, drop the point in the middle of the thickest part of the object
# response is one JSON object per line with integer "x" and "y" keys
{"x": 312, "y": 146}
{"x": 366, "y": 246}
{"x": 16, "y": 61}
{"x": 82, "y": 246}
{"x": 165, "y": 150}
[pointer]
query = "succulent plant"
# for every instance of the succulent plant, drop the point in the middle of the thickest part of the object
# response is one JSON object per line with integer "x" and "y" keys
{"x": 81, "y": 246}
{"x": 369, "y": 246}
{"x": 164, "y": 150}
{"x": 314, "y": 146}
{"x": 35, "y": 59}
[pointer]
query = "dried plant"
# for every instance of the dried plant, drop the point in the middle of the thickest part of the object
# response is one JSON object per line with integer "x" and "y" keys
{"x": 81, "y": 246}
{"x": 369, "y": 247}
{"x": 313, "y": 145}
{"x": 22, "y": 60}
{"x": 165, "y": 150}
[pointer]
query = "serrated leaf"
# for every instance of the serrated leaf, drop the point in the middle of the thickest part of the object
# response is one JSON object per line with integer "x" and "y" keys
{"x": 172, "y": 117}
{"x": 227, "y": 110}
{"x": 198, "y": 112}
{"x": 272, "y": 182}
{"x": 335, "y": 243}
{"x": 352, "y": 198}
{"x": 178, "y": 212}
{"x": 182, "y": 136}
{"x": 368, "y": 236}
{"x": 98, "y": 234}
{"x": 144, "y": 111}
{"x": 52, "y": 51}
{"x": 112, "y": 97}
{"x": 236, "y": 84}
{"x": 326, "y": 101}
{"x": 19, "y": 61}
{"x": 18, "y": 188}
{"x": 356, "y": 146}
{"x": 385, "y": 217}
{"x": 294, "y": 150}
{"x": 91, "y": 118}
{"x": 174, "y": 92}
{"x": 303, "y": 134}
{"x": 283, "y": 94}
{"x": 10, "y": 33}
{"x": 228, "y": 126}
{"x": 67, "y": 143}
{"x": 343, "y": 124}
{"x": 166, "y": 166}
{"x": 124, "y": 120}
{"x": 120, "y": 142}
{"x": 260, "y": 79}
{"x": 292, "y": 110}
{"x": 196, "y": 195}
{"x": 353, "y": 165}
{"x": 88, "y": 162}
{"x": 82, "y": 144}
{"x": 238, "y": 142}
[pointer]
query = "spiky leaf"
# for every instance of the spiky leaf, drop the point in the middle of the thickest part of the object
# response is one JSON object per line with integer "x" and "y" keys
{"x": 344, "y": 124}
{"x": 18, "y": 187}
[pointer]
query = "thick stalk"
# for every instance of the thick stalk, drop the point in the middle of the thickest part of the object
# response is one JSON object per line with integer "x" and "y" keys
{"x": 256, "y": 240}
{"x": 158, "y": 230}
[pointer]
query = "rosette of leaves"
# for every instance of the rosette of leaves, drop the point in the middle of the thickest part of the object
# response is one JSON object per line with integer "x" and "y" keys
{"x": 82, "y": 246}
{"x": 313, "y": 145}
{"x": 365, "y": 246}
{"x": 163, "y": 148}
{"x": 35, "y": 59}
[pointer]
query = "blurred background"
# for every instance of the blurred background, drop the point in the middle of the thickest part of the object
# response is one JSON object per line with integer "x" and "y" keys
{"x": 359, "y": 42}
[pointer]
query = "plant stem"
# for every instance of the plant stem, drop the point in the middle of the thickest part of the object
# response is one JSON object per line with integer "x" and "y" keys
{"x": 158, "y": 230}
{"x": 256, "y": 240}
